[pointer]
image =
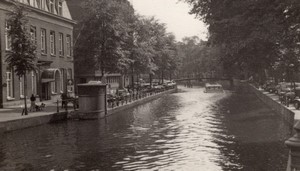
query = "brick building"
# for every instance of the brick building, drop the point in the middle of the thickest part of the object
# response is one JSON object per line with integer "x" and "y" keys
{"x": 51, "y": 26}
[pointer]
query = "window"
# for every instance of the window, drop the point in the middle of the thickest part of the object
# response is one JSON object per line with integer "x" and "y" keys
{"x": 38, "y": 4}
{"x": 43, "y": 41}
{"x": 68, "y": 42}
{"x": 42, "y": 4}
{"x": 69, "y": 73}
{"x": 61, "y": 44}
{"x": 33, "y": 82}
{"x": 60, "y": 8}
{"x": 56, "y": 84}
{"x": 9, "y": 87}
{"x": 52, "y": 43}
{"x": 62, "y": 80}
{"x": 33, "y": 34}
{"x": 7, "y": 37}
{"x": 22, "y": 87}
{"x": 70, "y": 80}
{"x": 51, "y": 6}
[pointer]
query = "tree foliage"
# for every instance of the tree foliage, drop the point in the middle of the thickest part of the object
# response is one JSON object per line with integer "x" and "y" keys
{"x": 104, "y": 34}
{"x": 22, "y": 55}
{"x": 115, "y": 39}
{"x": 198, "y": 58}
{"x": 252, "y": 35}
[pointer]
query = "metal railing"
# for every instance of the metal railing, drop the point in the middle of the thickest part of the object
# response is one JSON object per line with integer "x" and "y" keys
{"x": 123, "y": 100}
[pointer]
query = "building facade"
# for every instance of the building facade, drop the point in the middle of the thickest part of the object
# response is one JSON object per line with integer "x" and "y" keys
{"x": 51, "y": 27}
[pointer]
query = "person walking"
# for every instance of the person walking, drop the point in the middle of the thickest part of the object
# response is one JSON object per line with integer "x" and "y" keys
{"x": 32, "y": 100}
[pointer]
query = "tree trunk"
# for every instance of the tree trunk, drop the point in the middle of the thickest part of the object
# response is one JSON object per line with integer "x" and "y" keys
{"x": 102, "y": 73}
{"x": 132, "y": 77}
{"x": 162, "y": 76}
{"x": 150, "y": 80}
{"x": 25, "y": 94}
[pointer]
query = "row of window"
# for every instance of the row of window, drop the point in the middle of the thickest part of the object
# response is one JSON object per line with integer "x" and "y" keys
{"x": 52, "y": 41}
{"x": 53, "y": 6}
{"x": 112, "y": 79}
{"x": 10, "y": 85}
{"x": 57, "y": 86}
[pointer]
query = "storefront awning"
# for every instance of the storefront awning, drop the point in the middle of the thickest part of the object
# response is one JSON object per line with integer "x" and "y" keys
{"x": 48, "y": 75}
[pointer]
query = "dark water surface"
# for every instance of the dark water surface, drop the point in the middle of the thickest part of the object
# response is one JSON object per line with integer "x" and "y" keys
{"x": 189, "y": 130}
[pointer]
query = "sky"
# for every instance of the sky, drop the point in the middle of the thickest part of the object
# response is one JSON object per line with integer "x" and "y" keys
{"x": 174, "y": 14}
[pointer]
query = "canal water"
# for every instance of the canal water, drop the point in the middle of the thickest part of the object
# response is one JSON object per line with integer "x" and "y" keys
{"x": 188, "y": 130}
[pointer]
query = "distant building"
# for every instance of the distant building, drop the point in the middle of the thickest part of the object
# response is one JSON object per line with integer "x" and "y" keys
{"x": 51, "y": 26}
{"x": 84, "y": 72}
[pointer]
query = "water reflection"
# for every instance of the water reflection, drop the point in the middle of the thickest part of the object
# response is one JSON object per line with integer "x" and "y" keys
{"x": 189, "y": 130}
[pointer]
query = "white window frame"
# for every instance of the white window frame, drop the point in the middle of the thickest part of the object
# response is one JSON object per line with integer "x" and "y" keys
{"x": 61, "y": 80}
{"x": 52, "y": 42}
{"x": 53, "y": 87}
{"x": 61, "y": 44}
{"x": 7, "y": 37}
{"x": 43, "y": 41}
{"x": 60, "y": 9}
{"x": 42, "y": 4}
{"x": 68, "y": 44}
{"x": 51, "y": 6}
{"x": 9, "y": 85}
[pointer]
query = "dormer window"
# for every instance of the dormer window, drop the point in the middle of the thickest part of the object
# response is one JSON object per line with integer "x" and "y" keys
{"x": 60, "y": 8}
{"x": 42, "y": 4}
{"x": 38, "y": 4}
{"x": 51, "y": 6}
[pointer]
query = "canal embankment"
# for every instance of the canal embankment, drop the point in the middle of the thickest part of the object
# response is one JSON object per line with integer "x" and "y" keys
{"x": 289, "y": 114}
{"x": 122, "y": 105}
{"x": 12, "y": 120}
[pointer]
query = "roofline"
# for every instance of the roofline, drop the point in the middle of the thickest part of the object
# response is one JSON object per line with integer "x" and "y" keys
{"x": 71, "y": 21}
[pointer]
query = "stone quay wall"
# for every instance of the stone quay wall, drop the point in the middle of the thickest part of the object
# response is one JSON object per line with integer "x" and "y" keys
{"x": 31, "y": 121}
{"x": 139, "y": 102}
{"x": 283, "y": 111}
{"x": 117, "y": 109}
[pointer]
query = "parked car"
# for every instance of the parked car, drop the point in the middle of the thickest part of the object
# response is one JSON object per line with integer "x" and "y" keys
{"x": 158, "y": 87}
{"x": 122, "y": 94}
{"x": 170, "y": 84}
{"x": 282, "y": 87}
{"x": 290, "y": 92}
{"x": 271, "y": 88}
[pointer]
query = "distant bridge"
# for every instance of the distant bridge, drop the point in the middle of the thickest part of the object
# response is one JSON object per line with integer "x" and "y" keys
{"x": 201, "y": 79}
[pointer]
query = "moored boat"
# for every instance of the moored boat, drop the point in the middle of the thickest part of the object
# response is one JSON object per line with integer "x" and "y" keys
{"x": 213, "y": 87}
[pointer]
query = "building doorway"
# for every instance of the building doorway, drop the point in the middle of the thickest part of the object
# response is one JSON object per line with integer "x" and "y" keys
{"x": 46, "y": 91}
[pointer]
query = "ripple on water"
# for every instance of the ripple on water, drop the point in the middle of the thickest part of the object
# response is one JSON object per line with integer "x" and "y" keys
{"x": 190, "y": 131}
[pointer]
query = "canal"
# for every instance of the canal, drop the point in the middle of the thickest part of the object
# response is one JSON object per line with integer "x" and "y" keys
{"x": 188, "y": 130}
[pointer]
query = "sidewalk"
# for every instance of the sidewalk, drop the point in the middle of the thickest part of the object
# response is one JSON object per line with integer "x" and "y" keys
{"x": 11, "y": 118}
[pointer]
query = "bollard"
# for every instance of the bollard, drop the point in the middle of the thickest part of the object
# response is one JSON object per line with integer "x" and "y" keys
{"x": 294, "y": 145}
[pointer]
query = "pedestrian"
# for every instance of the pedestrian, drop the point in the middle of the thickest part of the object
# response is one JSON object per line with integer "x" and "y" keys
{"x": 32, "y": 100}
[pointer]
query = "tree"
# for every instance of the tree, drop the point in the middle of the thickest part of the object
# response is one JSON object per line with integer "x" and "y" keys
{"x": 21, "y": 57}
{"x": 103, "y": 39}
{"x": 253, "y": 35}
{"x": 144, "y": 52}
